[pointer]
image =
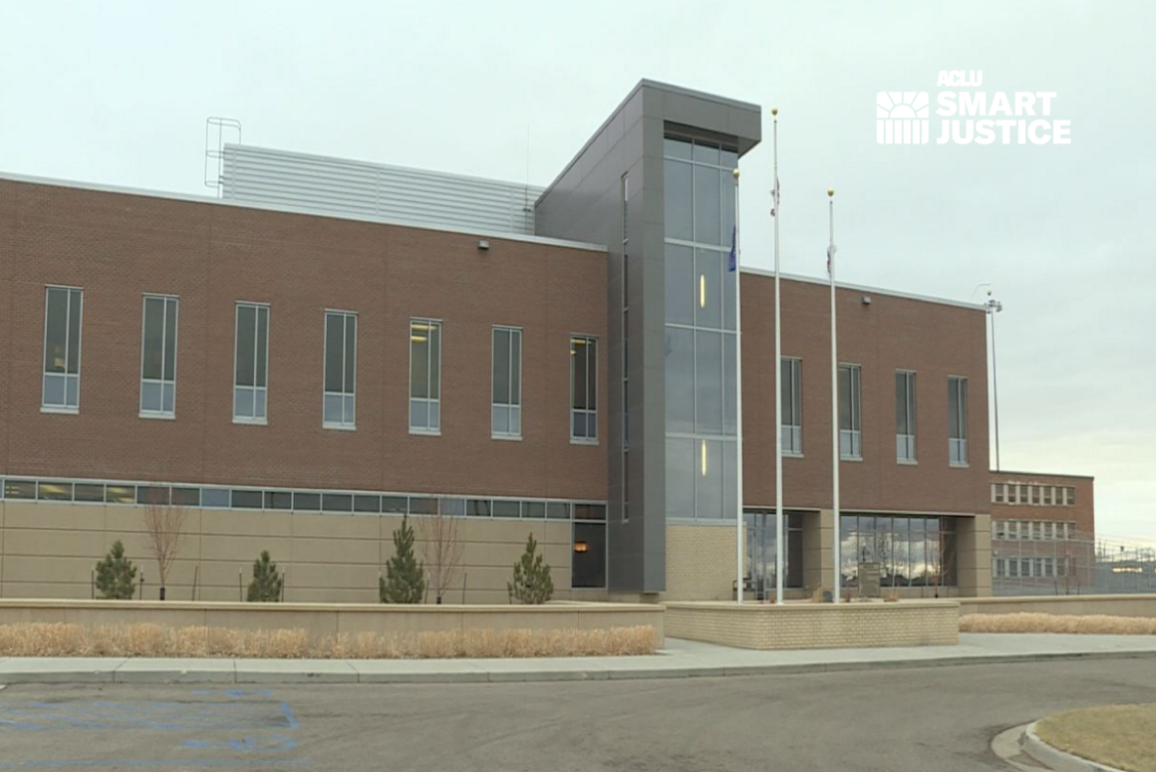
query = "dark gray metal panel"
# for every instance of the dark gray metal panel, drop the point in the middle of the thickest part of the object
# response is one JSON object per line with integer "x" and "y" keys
{"x": 584, "y": 203}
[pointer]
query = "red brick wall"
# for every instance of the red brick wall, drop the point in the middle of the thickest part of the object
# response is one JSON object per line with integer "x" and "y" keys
{"x": 118, "y": 246}
{"x": 1082, "y": 513}
{"x": 933, "y": 339}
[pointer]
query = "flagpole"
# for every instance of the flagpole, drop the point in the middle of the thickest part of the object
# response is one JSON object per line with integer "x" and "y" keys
{"x": 778, "y": 381}
{"x": 835, "y": 596}
{"x": 738, "y": 400}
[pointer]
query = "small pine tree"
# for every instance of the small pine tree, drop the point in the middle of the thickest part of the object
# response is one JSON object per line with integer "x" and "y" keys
{"x": 532, "y": 583}
{"x": 404, "y": 581}
{"x": 115, "y": 575}
{"x": 267, "y": 581}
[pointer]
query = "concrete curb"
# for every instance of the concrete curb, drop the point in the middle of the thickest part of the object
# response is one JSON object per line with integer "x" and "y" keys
{"x": 423, "y": 671}
{"x": 1058, "y": 760}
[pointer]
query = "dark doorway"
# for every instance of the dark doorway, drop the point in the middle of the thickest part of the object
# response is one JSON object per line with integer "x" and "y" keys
{"x": 588, "y": 561}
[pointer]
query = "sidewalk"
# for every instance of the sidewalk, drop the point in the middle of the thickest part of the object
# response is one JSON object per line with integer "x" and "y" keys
{"x": 681, "y": 659}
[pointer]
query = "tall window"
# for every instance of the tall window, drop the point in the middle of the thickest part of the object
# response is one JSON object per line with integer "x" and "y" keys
{"x": 792, "y": 407}
{"x": 158, "y": 370}
{"x": 340, "y": 369}
{"x": 583, "y": 389}
{"x": 850, "y": 439}
{"x": 63, "y": 307}
{"x": 905, "y": 415}
{"x": 506, "y": 416}
{"x": 251, "y": 366}
{"x": 425, "y": 381}
{"x": 700, "y": 363}
{"x": 957, "y": 420}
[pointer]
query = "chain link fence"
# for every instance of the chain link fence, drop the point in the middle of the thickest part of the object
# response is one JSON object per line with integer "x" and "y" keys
{"x": 1080, "y": 564}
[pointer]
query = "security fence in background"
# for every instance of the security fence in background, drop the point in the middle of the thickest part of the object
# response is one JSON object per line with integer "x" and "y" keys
{"x": 1070, "y": 562}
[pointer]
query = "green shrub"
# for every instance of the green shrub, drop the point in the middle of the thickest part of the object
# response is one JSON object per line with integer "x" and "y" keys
{"x": 115, "y": 575}
{"x": 532, "y": 583}
{"x": 404, "y": 580}
{"x": 267, "y": 581}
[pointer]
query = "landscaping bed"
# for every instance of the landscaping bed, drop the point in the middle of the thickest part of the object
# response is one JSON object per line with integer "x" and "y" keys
{"x": 38, "y": 639}
{"x": 1057, "y": 623}
{"x": 1120, "y": 736}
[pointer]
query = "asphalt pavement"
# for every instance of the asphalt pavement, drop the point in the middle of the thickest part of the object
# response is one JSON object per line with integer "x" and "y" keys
{"x": 921, "y": 718}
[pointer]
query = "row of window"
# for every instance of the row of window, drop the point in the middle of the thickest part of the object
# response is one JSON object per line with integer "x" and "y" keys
{"x": 1039, "y": 495}
{"x": 62, "y": 344}
{"x": 914, "y": 551}
{"x": 850, "y": 400}
{"x": 336, "y": 502}
{"x": 1033, "y": 530}
{"x": 1032, "y": 568}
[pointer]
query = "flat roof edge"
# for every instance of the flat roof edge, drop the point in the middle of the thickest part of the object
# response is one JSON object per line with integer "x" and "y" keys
{"x": 865, "y": 288}
{"x": 190, "y": 198}
{"x": 1044, "y": 474}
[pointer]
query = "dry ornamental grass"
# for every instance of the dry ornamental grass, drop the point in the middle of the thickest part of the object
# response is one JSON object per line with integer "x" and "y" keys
{"x": 147, "y": 640}
{"x": 1120, "y": 736}
{"x": 1056, "y": 623}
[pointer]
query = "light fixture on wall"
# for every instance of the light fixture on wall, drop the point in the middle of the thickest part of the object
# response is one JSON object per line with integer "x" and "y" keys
{"x": 866, "y": 300}
{"x": 581, "y": 546}
{"x": 483, "y": 245}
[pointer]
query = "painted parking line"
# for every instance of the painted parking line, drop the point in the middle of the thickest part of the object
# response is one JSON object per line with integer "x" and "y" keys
{"x": 213, "y": 729}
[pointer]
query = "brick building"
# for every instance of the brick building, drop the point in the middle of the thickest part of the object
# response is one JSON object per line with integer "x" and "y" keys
{"x": 1043, "y": 533}
{"x": 334, "y": 344}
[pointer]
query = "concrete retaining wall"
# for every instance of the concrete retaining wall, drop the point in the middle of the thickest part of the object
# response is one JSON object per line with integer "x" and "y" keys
{"x": 816, "y": 625}
{"x": 322, "y": 619}
{"x": 1078, "y": 605}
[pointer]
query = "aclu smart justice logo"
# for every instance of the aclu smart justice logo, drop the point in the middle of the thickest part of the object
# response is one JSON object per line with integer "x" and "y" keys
{"x": 979, "y": 117}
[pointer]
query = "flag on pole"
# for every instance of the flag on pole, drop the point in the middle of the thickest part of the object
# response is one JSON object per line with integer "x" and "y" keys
{"x": 830, "y": 256}
{"x": 775, "y": 197}
{"x": 733, "y": 262}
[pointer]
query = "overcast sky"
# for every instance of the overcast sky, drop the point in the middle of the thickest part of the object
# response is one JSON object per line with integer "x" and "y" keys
{"x": 118, "y": 92}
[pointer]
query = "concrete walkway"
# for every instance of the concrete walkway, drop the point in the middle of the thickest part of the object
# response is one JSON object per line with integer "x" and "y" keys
{"x": 681, "y": 659}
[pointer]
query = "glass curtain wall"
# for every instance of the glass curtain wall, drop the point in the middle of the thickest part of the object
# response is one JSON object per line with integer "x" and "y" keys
{"x": 911, "y": 551}
{"x": 701, "y": 415}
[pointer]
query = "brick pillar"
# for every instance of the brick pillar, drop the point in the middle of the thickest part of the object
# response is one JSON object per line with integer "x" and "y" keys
{"x": 974, "y": 555}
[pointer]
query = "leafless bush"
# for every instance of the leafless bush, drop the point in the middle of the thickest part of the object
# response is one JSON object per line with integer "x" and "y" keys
{"x": 150, "y": 640}
{"x": 442, "y": 549}
{"x": 1096, "y": 624}
{"x": 165, "y": 528}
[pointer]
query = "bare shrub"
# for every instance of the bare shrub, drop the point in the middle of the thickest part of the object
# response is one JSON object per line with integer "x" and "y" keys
{"x": 442, "y": 550}
{"x": 1094, "y": 624}
{"x": 56, "y": 639}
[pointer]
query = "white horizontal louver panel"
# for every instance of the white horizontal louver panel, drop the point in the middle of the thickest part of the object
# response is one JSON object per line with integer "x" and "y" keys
{"x": 399, "y": 194}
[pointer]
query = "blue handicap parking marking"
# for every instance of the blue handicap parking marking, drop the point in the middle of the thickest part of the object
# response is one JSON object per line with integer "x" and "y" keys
{"x": 214, "y": 729}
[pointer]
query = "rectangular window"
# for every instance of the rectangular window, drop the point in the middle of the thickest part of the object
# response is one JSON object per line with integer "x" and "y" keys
{"x": 905, "y": 415}
{"x": 1000, "y": 568}
{"x": 1000, "y": 529}
{"x": 506, "y": 415}
{"x": 158, "y": 370}
{"x": 340, "y": 369}
{"x": 425, "y": 380}
{"x": 792, "y": 408}
{"x": 1069, "y": 496}
{"x": 850, "y": 442}
{"x": 1014, "y": 566}
{"x": 583, "y": 389}
{"x": 63, "y": 308}
{"x": 997, "y": 493}
{"x": 251, "y": 364}
{"x": 957, "y": 420}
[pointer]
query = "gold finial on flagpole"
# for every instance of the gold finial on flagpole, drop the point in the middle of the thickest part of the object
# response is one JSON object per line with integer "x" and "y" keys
{"x": 830, "y": 192}
{"x": 736, "y": 174}
{"x": 774, "y": 111}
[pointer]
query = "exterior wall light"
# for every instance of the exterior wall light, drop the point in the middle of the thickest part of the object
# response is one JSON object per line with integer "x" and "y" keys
{"x": 483, "y": 245}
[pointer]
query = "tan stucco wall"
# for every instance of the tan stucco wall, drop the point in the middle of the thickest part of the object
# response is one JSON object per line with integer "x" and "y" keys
{"x": 816, "y": 625}
{"x": 1079, "y": 605}
{"x": 329, "y": 619}
{"x": 50, "y": 551}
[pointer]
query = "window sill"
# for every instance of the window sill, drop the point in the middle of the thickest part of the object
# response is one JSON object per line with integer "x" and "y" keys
{"x": 60, "y": 410}
{"x": 251, "y": 421}
{"x": 907, "y": 462}
{"x": 853, "y": 459}
{"x": 790, "y": 454}
{"x": 581, "y": 441}
{"x": 508, "y": 437}
{"x": 340, "y": 427}
{"x": 158, "y": 416}
{"x": 425, "y": 432}
{"x": 959, "y": 466}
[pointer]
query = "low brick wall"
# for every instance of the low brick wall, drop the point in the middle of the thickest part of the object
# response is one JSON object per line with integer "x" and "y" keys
{"x": 322, "y": 619}
{"x": 816, "y": 625}
{"x": 1076, "y": 605}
